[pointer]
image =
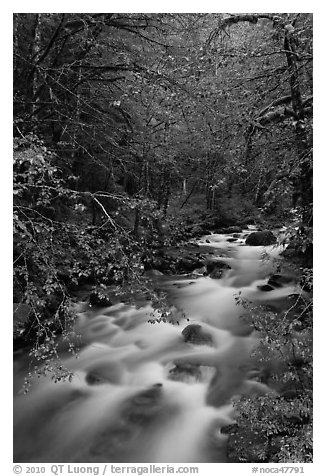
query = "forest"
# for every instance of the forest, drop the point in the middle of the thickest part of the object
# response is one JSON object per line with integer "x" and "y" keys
{"x": 134, "y": 134}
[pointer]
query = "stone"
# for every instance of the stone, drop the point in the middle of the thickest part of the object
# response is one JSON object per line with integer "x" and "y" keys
{"x": 261, "y": 238}
{"x": 144, "y": 407}
{"x": 154, "y": 272}
{"x": 93, "y": 379}
{"x": 249, "y": 221}
{"x": 226, "y": 430}
{"x": 194, "y": 334}
{"x": 110, "y": 372}
{"x": 199, "y": 229}
{"x": 229, "y": 230}
{"x": 265, "y": 287}
{"x": 182, "y": 372}
{"x": 216, "y": 273}
{"x": 216, "y": 268}
{"x": 99, "y": 300}
{"x": 233, "y": 229}
{"x": 290, "y": 253}
{"x": 279, "y": 280}
{"x": 189, "y": 264}
{"x": 211, "y": 265}
{"x": 199, "y": 271}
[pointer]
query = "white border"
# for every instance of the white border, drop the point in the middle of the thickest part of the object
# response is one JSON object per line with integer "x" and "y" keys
{"x": 319, "y": 10}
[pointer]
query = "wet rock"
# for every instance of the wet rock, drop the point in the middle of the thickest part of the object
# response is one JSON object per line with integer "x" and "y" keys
{"x": 233, "y": 229}
{"x": 212, "y": 265}
{"x": 279, "y": 280}
{"x": 194, "y": 334}
{"x": 228, "y": 230}
{"x": 261, "y": 238}
{"x": 154, "y": 272}
{"x": 145, "y": 406}
{"x": 176, "y": 260}
{"x": 148, "y": 396}
{"x": 193, "y": 244}
{"x": 199, "y": 229}
{"x": 189, "y": 264}
{"x": 231, "y": 240}
{"x": 290, "y": 252}
{"x": 158, "y": 263}
{"x": 265, "y": 288}
{"x": 117, "y": 440}
{"x": 249, "y": 221}
{"x": 225, "y": 430}
{"x": 289, "y": 393}
{"x": 216, "y": 274}
{"x": 199, "y": 271}
{"x": 93, "y": 379}
{"x": 216, "y": 268}
{"x": 99, "y": 300}
{"x": 113, "y": 443}
{"x": 253, "y": 387}
{"x": 183, "y": 372}
{"x": 214, "y": 442}
{"x": 225, "y": 383}
{"x": 110, "y": 372}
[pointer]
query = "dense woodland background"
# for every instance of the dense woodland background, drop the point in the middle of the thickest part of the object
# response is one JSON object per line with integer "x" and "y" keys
{"x": 137, "y": 131}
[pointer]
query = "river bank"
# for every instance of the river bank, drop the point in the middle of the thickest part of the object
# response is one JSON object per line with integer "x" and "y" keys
{"x": 139, "y": 387}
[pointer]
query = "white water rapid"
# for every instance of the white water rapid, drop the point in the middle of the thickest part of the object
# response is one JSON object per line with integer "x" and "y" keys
{"x": 140, "y": 392}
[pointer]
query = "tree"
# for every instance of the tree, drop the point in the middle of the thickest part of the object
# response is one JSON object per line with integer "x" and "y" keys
{"x": 125, "y": 120}
{"x": 280, "y": 48}
{"x": 277, "y": 427}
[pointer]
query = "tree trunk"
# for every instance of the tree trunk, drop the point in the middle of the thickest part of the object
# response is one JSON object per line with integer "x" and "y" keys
{"x": 302, "y": 142}
{"x": 94, "y": 214}
{"x": 136, "y": 222}
{"x": 16, "y": 25}
{"x": 76, "y": 118}
{"x": 35, "y": 76}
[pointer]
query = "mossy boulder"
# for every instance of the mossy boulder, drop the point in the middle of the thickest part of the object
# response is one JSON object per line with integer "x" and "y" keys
{"x": 261, "y": 238}
{"x": 216, "y": 268}
{"x": 194, "y": 334}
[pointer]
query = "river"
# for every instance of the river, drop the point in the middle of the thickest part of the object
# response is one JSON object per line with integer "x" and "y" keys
{"x": 152, "y": 393}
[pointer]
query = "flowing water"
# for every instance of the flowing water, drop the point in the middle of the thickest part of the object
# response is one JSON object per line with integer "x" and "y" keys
{"x": 140, "y": 393}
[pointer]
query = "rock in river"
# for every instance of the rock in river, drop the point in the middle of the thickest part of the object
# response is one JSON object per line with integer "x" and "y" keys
{"x": 261, "y": 238}
{"x": 195, "y": 335}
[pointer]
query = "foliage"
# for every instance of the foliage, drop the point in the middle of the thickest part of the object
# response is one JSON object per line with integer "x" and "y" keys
{"x": 56, "y": 250}
{"x": 151, "y": 103}
{"x": 277, "y": 426}
{"x": 129, "y": 126}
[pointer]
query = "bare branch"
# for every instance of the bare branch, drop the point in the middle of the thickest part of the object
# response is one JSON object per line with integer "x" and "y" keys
{"x": 244, "y": 17}
{"x": 277, "y": 102}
